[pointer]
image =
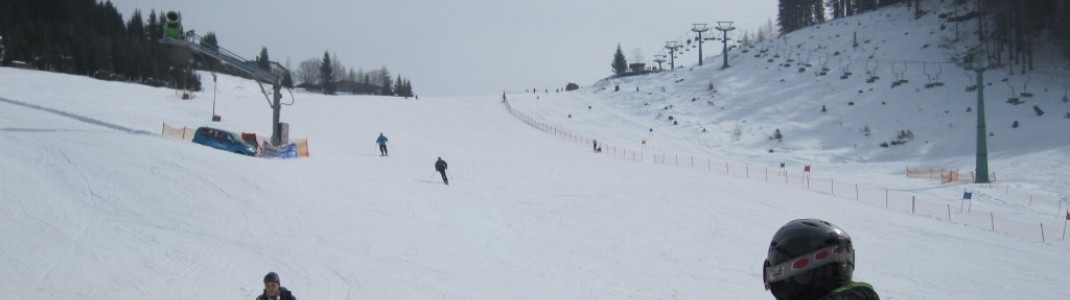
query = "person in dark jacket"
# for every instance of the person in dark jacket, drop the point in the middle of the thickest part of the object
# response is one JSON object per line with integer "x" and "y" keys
{"x": 382, "y": 144}
{"x": 440, "y": 166}
{"x": 274, "y": 291}
{"x": 811, "y": 259}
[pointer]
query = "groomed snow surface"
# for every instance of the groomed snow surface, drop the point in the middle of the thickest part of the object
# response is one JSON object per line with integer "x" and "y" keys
{"x": 95, "y": 204}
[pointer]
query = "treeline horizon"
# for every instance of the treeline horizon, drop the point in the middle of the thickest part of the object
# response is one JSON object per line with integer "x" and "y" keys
{"x": 84, "y": 37}
{"x": 91, "y": 38}
{"x": 1008, "y": 29}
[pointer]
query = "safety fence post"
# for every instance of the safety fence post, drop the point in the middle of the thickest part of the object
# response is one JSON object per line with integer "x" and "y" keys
{"x": 949, "y": 213}
{"x": 1042, "y": 232}
{"x": 885, "y": 198}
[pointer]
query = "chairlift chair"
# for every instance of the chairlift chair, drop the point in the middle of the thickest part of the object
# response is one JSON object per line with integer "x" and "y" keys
{"x": 934, "y": 77}
{"x": 1025, "y": 88}
{"x": 899, "y": 74}
{"x": 1013, "y": 99}
{"x": 871, "y": 69}
{"x": 973, "y": 85}
{"x": 845, "y": 68}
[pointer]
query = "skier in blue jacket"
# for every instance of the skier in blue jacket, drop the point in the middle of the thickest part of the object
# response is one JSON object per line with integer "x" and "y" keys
{"x": 382, "y": 144}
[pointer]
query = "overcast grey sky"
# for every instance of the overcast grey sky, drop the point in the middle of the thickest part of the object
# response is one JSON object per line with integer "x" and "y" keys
{"x": 460, "y": 47}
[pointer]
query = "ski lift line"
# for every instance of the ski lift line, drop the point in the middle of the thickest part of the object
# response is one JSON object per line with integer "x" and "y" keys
{"x": 267, "y": 96}
{"x": 824, "y": 61}
{"x": 292, "y": 98}
{"x": 1050, "y": 78}
{"x": 845, "y": 67}
{"x": 936, "y": 74}
{"x": 876, "y": 66}
{"x": 900, "y": 72}
{"x": 224, "y": 55}
{"x": 880, "y": 59}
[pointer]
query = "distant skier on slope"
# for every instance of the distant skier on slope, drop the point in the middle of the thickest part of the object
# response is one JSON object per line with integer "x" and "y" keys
{"x": 811, "y": 259}
{"x": 274, "y": 291}
{"x": 440, "y": 166}
{"x": 382, "y": 144}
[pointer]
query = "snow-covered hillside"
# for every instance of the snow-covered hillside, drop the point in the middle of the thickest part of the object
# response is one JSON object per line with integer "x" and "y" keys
{"x": 95, "y": 204}
{"x": 842, "y": 121}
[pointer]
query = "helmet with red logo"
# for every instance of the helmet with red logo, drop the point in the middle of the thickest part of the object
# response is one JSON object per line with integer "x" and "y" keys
{"x": 808, "y": 258}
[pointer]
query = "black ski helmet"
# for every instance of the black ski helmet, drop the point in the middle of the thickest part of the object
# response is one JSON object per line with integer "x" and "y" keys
{"x": 808, "y": 258}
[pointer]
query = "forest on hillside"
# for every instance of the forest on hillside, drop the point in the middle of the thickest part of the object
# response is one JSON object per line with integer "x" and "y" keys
{"x": 1008, "y": 28}
{"x": 91, "y": 38}
{"x": 88, "y": 38}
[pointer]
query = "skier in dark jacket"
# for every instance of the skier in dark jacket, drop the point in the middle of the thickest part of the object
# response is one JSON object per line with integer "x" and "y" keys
{"x": 811, "y": 259}
{"x": 440, "y": 166}
{"x": 382, "y": 144}
{"x": 272, "y": 289}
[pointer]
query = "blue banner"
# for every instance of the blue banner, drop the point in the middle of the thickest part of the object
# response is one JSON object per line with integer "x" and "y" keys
{"x": 287, "y": 151}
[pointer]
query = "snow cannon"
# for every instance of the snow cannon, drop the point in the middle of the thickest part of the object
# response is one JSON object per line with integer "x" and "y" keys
{"x": 172, "y": 27}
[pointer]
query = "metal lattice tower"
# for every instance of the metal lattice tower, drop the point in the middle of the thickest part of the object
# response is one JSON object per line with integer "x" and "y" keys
{"x": 725, "y": 27}
{"x": 672, "y": 46}
{"x": 700, "y": 28}
{"x": 660, "y": 58}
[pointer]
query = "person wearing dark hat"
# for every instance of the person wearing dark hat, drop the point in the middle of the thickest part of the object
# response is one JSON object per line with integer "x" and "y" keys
{"x": 813, "y": 259}
{"x": 440, "y": 167}
{"x": 274, "y": 291}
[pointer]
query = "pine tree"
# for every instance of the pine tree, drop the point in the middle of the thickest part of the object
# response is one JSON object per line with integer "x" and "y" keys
{"x": 136, "y": 26}
{"x": 153, "y": 30}
{"x": 287, "y": 80}
{"x": 209, "y": 41}
{"x": 327, "y": 75}
{"x": 338, "y": 68}
{"x": 263, "y": 61}
{"x": 385, "y": 81}
{"x": 620, "y": 65}
{"x": 407, "y": 89}
{"x": 1062, "y": 26}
